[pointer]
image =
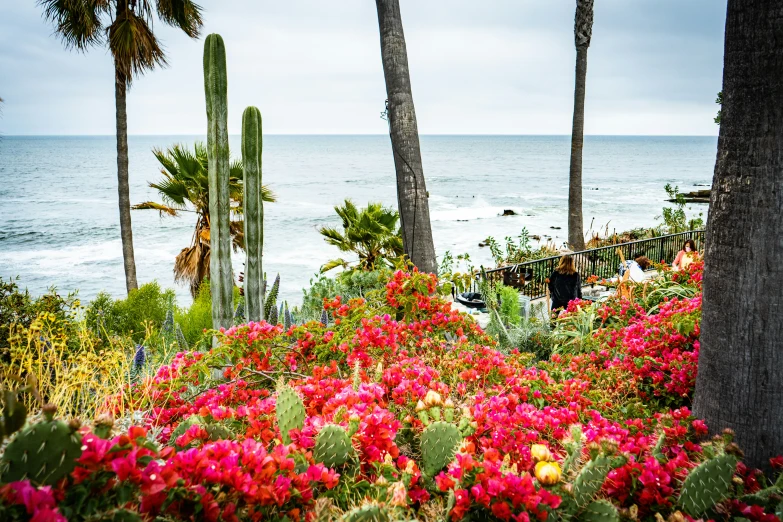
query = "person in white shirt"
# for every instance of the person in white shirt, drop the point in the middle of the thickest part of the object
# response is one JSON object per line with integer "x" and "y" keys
{"x": 637, "y": 267}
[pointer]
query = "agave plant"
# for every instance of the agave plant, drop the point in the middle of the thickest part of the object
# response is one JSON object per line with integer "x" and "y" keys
{"x": 371, "y": 233}
{"x": 185, "y": 188}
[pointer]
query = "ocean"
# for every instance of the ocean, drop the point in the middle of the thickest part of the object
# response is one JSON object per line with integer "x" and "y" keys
{"x": 59, "y": 223}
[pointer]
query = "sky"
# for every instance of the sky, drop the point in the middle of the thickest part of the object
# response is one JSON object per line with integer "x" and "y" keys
{"x": 314, "y": 67}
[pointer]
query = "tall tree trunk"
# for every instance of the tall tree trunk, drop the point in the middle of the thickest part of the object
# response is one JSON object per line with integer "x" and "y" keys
{"x": 740, "y": 379}
{"x": 126, "y": 230}
{"x": 583, "y": 33}
{"x": 576, "y": 238}
{"x": 412, "y": 194}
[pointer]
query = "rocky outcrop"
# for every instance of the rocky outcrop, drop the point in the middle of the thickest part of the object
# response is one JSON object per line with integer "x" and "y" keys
{"x": 697, "y": 196}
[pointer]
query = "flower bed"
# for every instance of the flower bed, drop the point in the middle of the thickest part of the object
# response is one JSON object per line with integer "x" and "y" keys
{"x": 434, "y": 423}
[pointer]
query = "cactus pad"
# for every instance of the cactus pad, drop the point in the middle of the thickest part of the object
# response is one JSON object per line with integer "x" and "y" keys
{"x": 183, "y": 426}
{"x": 44, "y": 453}
{"x": 290, "y": 412}
{"x": 657, "y": 450}
{"x": 439, "y": 443}
{"x": 599, "y": 511}
{"x": 707, "y": 484}
{"x": 366, "y": 513}
{"x": 332, "y": 446}
{"x": 14, "y": 415}
{"x": 590, "y": 479}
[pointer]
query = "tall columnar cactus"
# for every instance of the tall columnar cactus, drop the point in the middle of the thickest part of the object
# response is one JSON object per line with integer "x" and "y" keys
{"x": 254, "y": 212}
{"x": 220, "y": 272}
{"x": 290, "y": 411}
{"x": 43, "y": 452}
{"x": 439, "y": 442}
{"x": 332, "y": 446}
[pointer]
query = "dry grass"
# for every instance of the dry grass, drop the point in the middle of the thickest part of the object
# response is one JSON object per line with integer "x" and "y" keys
{"x": 77, "y": 374}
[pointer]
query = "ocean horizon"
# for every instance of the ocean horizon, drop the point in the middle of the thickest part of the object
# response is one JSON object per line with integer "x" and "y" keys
{"x": 59, "y": 224}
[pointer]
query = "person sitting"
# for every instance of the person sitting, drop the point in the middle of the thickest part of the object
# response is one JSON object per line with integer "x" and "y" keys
{"x": 636, "y": 267}
{"x": 686, "y": 256}
{"x": 564, "y": 283}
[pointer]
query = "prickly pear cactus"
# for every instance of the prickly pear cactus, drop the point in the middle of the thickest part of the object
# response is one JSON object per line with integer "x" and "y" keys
{"x": 183, "y": 426}
{"x": 590, "y": 479}
{"x": 14, "y": 415}
{"x": 439, "y": 442}
{"x": 290, "y": 411}
{"x": 707, "y": 484}
{"x": 44, "y": 452}
{"x": 599, "y": 511}
{"x": 332, "y": 446}
{"x": 657, "y": 450}
{"x": 574, "y": 449}
{"x": 366, "y": 513}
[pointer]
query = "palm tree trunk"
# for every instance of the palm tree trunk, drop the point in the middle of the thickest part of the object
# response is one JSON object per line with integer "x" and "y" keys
{"x": 740, "y": 379}
{"x": 576, "y": 232}
{"x": 126, "y": 230}
{"x": 412, "y": 194}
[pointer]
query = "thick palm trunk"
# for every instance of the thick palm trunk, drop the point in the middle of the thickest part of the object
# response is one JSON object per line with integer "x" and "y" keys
{"x": 411, "y": 189}
{"x": 126, "y": 230}
{"x": 740, "y": 380}
{"x": 575, "y": 218}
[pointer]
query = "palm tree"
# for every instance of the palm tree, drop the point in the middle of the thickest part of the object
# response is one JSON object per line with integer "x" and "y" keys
{"x": 371, "y": 233}
{"x": 740, "y": 380}
{"x": 583, "y": 31}
{"x": 125, "y": 26}
{"x": 412, "y": 196}
{"x": 185, "y": 188}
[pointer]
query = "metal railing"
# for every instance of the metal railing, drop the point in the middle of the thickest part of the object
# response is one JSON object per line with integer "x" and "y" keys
{"x": 530, "y": 277}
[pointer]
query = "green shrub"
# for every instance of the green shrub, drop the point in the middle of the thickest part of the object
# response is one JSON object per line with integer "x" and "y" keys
{"x": 197, "y": 318}
{"x": 143, "y": 308}
{"x": 509, "y": 305}
{"x": 348, "y": 285}
{"x": 20, "y": 308}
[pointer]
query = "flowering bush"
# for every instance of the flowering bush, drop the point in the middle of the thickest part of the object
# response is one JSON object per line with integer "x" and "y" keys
{"x": 211, "y": 446}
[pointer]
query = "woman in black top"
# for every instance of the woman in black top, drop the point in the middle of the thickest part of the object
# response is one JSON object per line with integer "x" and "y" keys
{"x": 564, "y": 283}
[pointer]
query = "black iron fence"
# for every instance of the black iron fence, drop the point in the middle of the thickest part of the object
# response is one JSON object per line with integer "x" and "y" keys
{"x": 530, "y": 277}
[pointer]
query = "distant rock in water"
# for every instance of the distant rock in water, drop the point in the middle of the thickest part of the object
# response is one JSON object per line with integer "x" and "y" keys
{"x": 555, "y": 228}
{"x": 509, "y": 212}
{"x": 697, "y": 196}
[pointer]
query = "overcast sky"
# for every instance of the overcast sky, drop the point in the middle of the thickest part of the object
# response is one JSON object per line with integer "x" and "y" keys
{"x": 314, "y": 67}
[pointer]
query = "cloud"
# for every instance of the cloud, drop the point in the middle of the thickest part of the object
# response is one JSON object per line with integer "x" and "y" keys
{"x": 501, "y": 67}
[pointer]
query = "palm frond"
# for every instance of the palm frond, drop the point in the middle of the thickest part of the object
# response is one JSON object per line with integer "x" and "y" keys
{"x": 133, "y": 45}
{"x": 163, "y": 209}
{"x": 192, "y": 265}
{"x": 78, "y": 24}
{"x": 333, "y": 237}
{"x": 334, "y": 263}
{"x": 237, "y": 231}
{"x": 172, "y": 190}
{"x": 181, "y": 13}
{"x": 267, "y": 194}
